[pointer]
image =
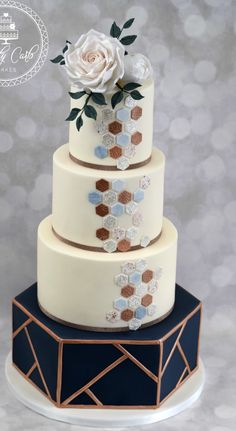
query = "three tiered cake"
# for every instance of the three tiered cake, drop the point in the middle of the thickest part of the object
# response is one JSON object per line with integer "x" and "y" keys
{"x": 106, "y": 324}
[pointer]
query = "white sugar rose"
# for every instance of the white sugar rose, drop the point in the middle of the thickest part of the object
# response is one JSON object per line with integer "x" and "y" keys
{"x": 95, "y": 62}
{"x": 137, "y": 68}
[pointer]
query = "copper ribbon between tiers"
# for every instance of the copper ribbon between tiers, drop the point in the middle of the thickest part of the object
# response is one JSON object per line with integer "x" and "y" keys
{"x": 100, "y": 249}
{"x": 108, "y": 167}
{"x": 102, "y": 329}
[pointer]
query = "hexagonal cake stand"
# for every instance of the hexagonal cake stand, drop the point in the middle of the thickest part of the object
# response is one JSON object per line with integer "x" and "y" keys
{"x": 33, "y": 399}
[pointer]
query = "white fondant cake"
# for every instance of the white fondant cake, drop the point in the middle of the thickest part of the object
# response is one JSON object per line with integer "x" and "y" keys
{"x": 81, "y": 205}
{"x": 85, "y": 288}
{"x": 106, "y": 259}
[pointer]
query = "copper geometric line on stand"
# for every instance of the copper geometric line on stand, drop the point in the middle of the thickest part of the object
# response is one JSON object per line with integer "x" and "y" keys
{"x": 21, "y": 327}
{"x": 94, "y": 398}
{"x": 136, "y": 362}
{"x": 173, "y": 349}
{"x": 181, "y": 377}
{"x": 183, "y": 357}
{"x": 159, "y": 375}
{"x": 31, "y": 369}
{"x": 59, "y": 373}
{"x": 37, "y": 362}
{"x": 95, "y": 379}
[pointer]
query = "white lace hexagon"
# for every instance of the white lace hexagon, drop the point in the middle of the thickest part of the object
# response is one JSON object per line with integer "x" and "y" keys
{"x": 134, "y": 324}
{"x": 108, "y": 140}
{"x": 141, "y": 265}
{"x": 145, "y": 240}
{"x": 121, "y": 279}
{"x": 130, "y": 102}
{"x": 130, "y": 151}
{"x": 113, "y": 316}
{"x": 134, "y": 301}
{"x": 110, "y": 246}
{"x": 109, "y": 197}
{"x": 137, "y": 219}
{"x": 151, "y": 309}
{"x": 153, "y": 286}
{"x": 122, "y": 163}
{"x": 102, "y": 128}
{"x": 109, "y": 222}
{"x": 107, "y": 115}
{"x": 118, "y": 233}
{"x": 131, "y": 208}
{"x": 132, "y": 232}
{"x": 130, "y": 127}
{"x": 128, "y": 267}
{"x": 145, "y": 182}
{"x": 141, "y": 290}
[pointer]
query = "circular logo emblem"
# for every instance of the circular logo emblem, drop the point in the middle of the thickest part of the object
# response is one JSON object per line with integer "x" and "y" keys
{"x": 23, "y": 43}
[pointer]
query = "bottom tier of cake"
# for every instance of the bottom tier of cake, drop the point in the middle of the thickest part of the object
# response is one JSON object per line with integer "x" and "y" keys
{"x": 102, "y": 291}
{"x": 76, "y": 368}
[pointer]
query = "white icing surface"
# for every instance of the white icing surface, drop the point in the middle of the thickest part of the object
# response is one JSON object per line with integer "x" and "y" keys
{"x": 75, "y": 218}
{"x": 82, "y": 144}
{"x": 78, "y": 286}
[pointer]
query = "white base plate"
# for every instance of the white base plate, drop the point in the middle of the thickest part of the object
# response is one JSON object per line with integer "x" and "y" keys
{"x": 32, "y": 398}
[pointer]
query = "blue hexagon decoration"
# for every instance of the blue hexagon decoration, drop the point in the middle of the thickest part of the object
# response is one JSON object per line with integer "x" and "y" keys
{"x": 117, "y": 209}
{"x": 120, "y": 304}
{"x": 118, "y": 185}
{"x": 123, "y": 139}
{"x": 140, "y": 312}
{"x": 95, "y": 197}
{"x": 138, "y": 195}
{"x": 101, "y": 152}
{"x": 123, "y": 114}
{"x": 135, "y": 278}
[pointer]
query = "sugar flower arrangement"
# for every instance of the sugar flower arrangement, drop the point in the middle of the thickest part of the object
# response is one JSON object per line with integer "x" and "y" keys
{"x": 98, "y": 64}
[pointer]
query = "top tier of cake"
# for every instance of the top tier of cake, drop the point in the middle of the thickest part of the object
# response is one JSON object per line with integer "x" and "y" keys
{"x": 120, "y": 138}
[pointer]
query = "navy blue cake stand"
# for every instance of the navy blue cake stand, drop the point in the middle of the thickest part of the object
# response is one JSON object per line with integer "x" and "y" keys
{"x": 105, "y": 379}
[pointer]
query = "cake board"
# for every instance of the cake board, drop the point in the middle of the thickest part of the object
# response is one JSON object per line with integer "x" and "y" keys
{"x": 186, "y": 395}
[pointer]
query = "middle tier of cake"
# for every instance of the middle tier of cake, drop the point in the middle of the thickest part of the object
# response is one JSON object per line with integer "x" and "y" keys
{"x": 102, "y": 291}
{"x": 107, "y": 210}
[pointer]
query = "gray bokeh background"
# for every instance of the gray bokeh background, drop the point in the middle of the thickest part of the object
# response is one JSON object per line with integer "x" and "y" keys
{"x": 192, "y": 46}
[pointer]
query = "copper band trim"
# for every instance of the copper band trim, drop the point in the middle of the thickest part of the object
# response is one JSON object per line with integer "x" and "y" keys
{"x": 108, "y": 167}
{"x": 95, "y": 329}
{"x": 100, "y": 249}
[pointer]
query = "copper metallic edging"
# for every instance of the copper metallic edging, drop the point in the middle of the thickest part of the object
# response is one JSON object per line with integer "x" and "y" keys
{"x": 111, "y": 366}
{"x": 37, "y": 363}
{"x": 94, "y": 380}
{"x": 95, "y": 329}
{"x": 137, "y": 362}
{"x": 108, "y": 167}
{"x": 100, "y": 249}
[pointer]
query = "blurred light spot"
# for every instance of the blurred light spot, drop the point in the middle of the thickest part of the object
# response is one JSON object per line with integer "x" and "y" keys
{"x": 205, "y": 71}
{"x": 194, "y": 26}
{"x": 6, "y": 141}
{"x": 179, "y": 128}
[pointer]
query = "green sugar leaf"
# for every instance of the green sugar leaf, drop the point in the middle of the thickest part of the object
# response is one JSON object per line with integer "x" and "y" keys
{"x": 131, "y": 86}
{"x": 136, "y": 95}
{"x": 127, "y": 40}
{"x": 57, "y": 59}
{"x": 115, "y": 31}
{"x": 73, "y": 114}
{"x": 77, "y": 95}
{"x": 128, "y": 23}
{"x": 79, "y": 123}
{"x": 116, "y": 98}
{"x": 99, "y": 98}
{"x": 90, "y": 111}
